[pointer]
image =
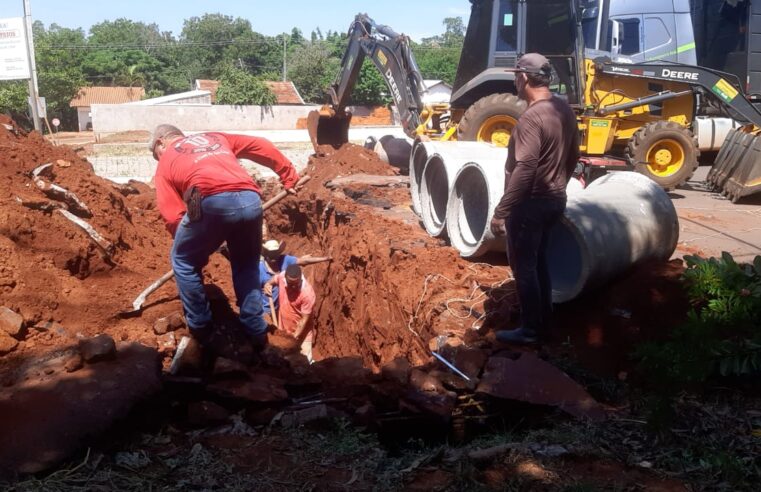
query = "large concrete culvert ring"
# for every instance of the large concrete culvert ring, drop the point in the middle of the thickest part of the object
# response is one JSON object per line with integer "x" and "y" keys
{"x": 418, "y": 158}
{"x": 434, "y": 194}
{"x": 621, "y": 219}
{"x": 476, "y": 191}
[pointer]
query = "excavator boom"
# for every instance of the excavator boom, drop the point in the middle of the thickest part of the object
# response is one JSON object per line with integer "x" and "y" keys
{"x": 391, "y": 54}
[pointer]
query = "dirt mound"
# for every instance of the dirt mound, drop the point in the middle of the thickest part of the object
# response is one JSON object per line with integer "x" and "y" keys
{"x": 50, "y": 269}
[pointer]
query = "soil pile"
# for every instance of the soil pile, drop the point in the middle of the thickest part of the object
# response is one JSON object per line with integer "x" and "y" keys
{"x": 50, "y": 269}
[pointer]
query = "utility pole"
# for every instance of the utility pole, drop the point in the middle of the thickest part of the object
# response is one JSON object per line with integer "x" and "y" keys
{"x": 33, "y": 91}
{"x": 285, "y": 67}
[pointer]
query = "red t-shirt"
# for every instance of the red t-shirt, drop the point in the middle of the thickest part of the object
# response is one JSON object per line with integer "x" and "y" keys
{"x": 294, "y": 305}
{"x": 209, "y": 161}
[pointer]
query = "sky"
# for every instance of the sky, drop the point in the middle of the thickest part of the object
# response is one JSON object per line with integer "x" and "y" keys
{"x": 416, "y": 18}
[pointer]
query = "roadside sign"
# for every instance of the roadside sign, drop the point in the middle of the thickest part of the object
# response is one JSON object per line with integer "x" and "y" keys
{"x": 14, "y": 58}
{"x": 56, "y": 122}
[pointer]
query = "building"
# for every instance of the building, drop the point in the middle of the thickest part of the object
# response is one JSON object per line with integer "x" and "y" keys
{"x": 285, "y": 92}
{"x": 438, "y": 91}
{"x": 88, "y": 96}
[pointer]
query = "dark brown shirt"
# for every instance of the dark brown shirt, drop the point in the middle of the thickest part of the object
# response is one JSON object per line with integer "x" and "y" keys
{"x": 542, "y": 154}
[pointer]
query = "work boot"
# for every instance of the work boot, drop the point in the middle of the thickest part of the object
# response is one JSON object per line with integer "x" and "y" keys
{"x": 519, "y": 336}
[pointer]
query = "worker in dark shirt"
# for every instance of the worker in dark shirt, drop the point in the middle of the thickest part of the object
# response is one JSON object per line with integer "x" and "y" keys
{"x": 542, "y": 154}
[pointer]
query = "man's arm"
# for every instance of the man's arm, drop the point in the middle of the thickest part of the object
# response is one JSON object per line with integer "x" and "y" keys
{"x": 311, "y": 260}
{"x": 527, "y": 151}
{"x": 269, "y": 285}
{"x": 169, "y": 201}
{"x": 262, "y": 151}
{"x": 301, "y": 325}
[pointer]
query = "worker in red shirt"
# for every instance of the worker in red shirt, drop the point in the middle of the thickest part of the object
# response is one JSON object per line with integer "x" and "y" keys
{"x": 297, "y": 299}
{"x": 206, "y": 198}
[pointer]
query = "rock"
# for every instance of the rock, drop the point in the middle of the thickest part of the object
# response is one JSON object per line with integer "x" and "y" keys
{"x": 73, "y": 363}
{"x": 43, "y": 424}
{"x": 530, "y": 379}
{"x": 7, "y": 343}
{"x": 206, "y": 413}
{"x": 168, "y": 323}
{"x": 11, "y": 322}
{"x": 425, "y": 382}
{"x": 52, "y": 327}
{"x": 342, "y": 371}
{"x": 229, "y": 367}
{"x": 397, "y": 370}
{"x": 166, "y": 343}
{"x": 96, "y": 349}
{"x": 261, "y": 388}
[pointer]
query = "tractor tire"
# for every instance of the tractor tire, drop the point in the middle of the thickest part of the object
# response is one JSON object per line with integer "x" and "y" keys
{"x": 491, "y": 119}
{"x": 665, "y": 152}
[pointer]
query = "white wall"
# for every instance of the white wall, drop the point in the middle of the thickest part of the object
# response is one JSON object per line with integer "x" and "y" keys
{"x": 112, "y": 118}
{"x": 83, "y": 118}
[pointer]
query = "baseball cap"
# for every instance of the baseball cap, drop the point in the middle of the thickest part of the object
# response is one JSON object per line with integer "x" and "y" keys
{"x": 532, "y": 63}
{"x": 160, "y": 132}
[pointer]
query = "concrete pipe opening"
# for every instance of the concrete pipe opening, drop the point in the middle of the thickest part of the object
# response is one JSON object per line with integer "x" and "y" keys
{"x": 470, "y": 209}
{"x": 418, "y": 158}
{"x": 621, "y": 219}
{"x": 434, "y": 195}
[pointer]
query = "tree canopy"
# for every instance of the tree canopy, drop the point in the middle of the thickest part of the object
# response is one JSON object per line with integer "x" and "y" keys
{"x": 123, "y": 52}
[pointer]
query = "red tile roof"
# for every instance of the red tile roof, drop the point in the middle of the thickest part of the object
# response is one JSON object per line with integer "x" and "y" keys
{"x": 88, "y": 96}
{"x": 285, "y": 92}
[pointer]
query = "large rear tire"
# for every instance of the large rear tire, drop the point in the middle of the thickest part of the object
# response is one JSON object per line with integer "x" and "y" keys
{"x": 491, "y": 119}
{"x": 665, "y": 152}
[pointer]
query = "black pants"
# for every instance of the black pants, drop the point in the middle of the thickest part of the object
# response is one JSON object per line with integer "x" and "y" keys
{"x": 528, "y": 227}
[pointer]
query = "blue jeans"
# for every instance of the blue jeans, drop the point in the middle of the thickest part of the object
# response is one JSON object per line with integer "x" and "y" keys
{"x": 234, "y": 217}
{"x": 528, "y": 228}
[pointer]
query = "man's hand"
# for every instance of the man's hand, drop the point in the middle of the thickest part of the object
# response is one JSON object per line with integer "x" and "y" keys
{"x": 295, "y": 190}
{"x": 267, "y": 289}
{"x": 498, "y": 226}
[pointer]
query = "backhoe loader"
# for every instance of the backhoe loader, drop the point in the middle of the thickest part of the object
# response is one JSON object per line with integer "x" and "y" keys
{"x": 631, "y": 116}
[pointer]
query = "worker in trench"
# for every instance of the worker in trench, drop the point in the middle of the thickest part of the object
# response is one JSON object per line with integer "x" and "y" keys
{"x": 297, "y": 299}
{"x": 206, "y": 198}
{"x": 274, "y": 260}
{"x": 542, "y": 153}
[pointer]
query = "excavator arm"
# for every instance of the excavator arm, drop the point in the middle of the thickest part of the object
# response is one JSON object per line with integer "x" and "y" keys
{"x": 391, "y": 54}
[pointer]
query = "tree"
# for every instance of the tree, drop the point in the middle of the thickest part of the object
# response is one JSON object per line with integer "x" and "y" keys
{"x": 13, "y": 98}
{"x": 371, "y": 88}
{"x": 239, "y": 87}
{"x": 311, "y": 68}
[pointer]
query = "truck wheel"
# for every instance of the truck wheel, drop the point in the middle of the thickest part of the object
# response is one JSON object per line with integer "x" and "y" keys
{"x": 665, "y": 152}
{"x": 491, "y": 119}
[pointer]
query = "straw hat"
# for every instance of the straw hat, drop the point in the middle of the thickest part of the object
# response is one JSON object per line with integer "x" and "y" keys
{"x": 273, "y": 247}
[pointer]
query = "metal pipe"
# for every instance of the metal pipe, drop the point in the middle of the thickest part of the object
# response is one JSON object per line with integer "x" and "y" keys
{"x": 641, "y": 101}
{"x": 620, "y": 219}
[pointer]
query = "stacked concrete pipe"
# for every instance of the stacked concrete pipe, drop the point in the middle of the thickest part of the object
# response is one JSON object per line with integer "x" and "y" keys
{"x": 476, "y": 192}
{"x": 620, "y": 219}
{"x": 445, "y": 159}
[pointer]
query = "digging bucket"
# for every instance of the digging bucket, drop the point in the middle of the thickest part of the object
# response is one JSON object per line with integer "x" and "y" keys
{"x": 730, "y": 156}
{"x": 742, "y": 176}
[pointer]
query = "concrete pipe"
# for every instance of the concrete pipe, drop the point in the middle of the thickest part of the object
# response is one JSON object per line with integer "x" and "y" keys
{"x": 418, "y": 158}
{"x": 439, "y": 174}
{"x": 476, "y": 192}
{"x": 394, "y": 150}
{"x": 620, "y": 219}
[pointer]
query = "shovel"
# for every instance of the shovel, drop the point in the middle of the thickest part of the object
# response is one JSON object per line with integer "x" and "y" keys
{"x": 137, "y": 304}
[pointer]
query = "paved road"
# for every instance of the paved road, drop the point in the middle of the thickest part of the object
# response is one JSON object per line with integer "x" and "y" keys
{"x": 710, "y": 224}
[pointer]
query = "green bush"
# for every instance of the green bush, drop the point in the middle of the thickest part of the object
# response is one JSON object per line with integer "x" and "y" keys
{"x": 239, "y": 87}
{"x": 722, "y": 335}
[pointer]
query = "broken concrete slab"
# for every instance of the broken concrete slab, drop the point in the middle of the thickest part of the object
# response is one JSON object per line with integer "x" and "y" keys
{"x": 46, "y": 419}
{"x": 11, "y": 322}
{"x": 166, "y": 343}
{"x": 98, "y": 348}
{"x": 530, "y": 379}
{"x": 261, "y": 388}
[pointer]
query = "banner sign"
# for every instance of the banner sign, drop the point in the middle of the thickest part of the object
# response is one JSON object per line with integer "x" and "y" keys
{"x": 14, "y": 60}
